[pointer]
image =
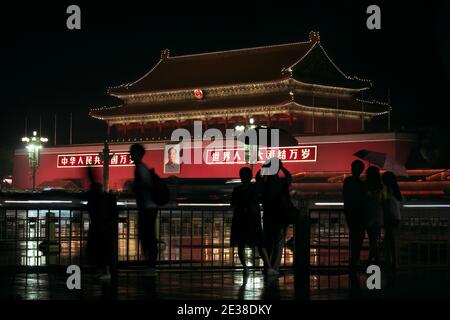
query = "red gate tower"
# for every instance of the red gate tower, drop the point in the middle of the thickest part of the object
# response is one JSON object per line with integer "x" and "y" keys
{"x": 296, "y": 87}
{"x": 291, "y": 86}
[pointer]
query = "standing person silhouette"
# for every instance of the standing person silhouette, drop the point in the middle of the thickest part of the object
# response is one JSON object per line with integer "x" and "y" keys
{"x": 274, "y": 192}
{"x": 102, "y": 236}
{"x": 147, "y": 208}
{"x": 354, "y": 197}
{"x": 246, "y": 226}
{"x": 373, "y": 210}
{"x": 392, "y": 199}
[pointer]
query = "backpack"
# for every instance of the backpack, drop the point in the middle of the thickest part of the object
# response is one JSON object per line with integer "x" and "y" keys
{"x": 160, "y": 191}
{"x": 288, "y": 210}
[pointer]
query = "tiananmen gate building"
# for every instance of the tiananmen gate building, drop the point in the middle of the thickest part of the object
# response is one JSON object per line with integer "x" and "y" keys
{"x": 295, "y": 87}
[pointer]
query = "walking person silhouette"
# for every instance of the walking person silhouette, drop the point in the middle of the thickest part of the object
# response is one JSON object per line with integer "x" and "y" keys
{"x": 143, "y": 188}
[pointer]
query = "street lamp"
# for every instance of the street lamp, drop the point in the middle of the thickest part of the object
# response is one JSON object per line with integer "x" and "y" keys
{"x": 250, "y": 150}
{"x": 34, "y": 146}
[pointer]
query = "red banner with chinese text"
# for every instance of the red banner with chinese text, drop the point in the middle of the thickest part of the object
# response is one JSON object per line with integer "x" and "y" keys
{"x": 93, "y": 160}
{"x": 285, "y": 154}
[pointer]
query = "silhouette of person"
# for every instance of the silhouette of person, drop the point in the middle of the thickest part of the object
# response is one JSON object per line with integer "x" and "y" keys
{"x": 274, "y": 191}
{"x": 102, "y": 237}
{"x": 392, "y": 199}
{"x": 354, "y": 196}
{"x": 172, "y": 165}
{"x": 246, "y": 229}
{"x": 373, "y": 210}
{"x": 147, "y": 208}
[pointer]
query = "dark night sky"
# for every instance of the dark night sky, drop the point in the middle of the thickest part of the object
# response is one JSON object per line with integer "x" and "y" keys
{"x": 47, "y": 69}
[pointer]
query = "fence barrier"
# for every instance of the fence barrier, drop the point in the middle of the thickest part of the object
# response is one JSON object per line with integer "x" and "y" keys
{"x": 199, "y": 237}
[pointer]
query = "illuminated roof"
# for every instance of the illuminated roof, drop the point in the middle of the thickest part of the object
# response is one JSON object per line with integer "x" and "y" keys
{"x": 233, "y": 106}
{"x": 304, "y": 61}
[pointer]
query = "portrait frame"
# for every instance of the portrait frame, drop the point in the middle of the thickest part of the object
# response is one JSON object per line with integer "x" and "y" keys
{"x": 172, "y": 165}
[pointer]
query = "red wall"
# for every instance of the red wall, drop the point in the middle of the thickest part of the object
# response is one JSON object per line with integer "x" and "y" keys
{"x": 334, "y": 153}
{"x": 328, "y": 124}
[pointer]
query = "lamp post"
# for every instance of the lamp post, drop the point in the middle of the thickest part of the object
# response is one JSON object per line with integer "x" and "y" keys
{"x": 251, "y": 150}
{"x": 34, "y": 146}
{"x": 106, "y": 157}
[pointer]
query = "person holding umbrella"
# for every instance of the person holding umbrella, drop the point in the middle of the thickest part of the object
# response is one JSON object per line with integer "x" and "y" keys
{"x": 373, "y": 210}
{"x": 390, "y": 200}
{"x": 382, "y": 161}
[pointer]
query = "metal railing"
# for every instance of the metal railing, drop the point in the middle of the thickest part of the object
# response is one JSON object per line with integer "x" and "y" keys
{"x": 199, "y": 237}
{"x": 196, "y": 237}
{"x": 423, "y": 238}
{"x": 329, "y": 245}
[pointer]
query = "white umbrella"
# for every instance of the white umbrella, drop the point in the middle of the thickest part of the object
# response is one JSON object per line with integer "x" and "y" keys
{"x": 383, "y": 161}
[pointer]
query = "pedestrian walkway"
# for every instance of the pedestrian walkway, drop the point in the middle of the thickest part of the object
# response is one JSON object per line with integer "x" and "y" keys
{"x": 218, "y": 285}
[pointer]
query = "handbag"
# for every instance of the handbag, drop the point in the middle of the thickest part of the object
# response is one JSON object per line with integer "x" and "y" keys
{"x": 160, "y": 190}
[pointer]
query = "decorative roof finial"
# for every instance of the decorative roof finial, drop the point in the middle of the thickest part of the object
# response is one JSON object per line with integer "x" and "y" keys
{"x": 292, "y": 95}
{"x": 165, "y": 54}
{"x": 286, "y": 72}
{"x": 314, "y": 36}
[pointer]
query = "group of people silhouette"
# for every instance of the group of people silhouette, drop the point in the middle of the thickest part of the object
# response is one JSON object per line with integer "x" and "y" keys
{"x": 369, "y": 206}
{"x": 372, "y": 206}
{"x": 272, "y": 190}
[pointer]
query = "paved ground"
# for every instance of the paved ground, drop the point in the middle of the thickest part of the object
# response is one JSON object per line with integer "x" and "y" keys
{"x": 199, "y": 285}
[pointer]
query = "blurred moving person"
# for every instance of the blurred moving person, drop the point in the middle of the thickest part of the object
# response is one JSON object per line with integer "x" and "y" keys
{"x": 143, "y": 188}
{"x": 102, "y": 236}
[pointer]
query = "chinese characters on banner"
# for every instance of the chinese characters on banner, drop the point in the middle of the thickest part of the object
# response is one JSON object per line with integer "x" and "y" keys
{"x": 213, "y": 156}
{"x": 285, "y": 154}
{"x": 93, "y": 160}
